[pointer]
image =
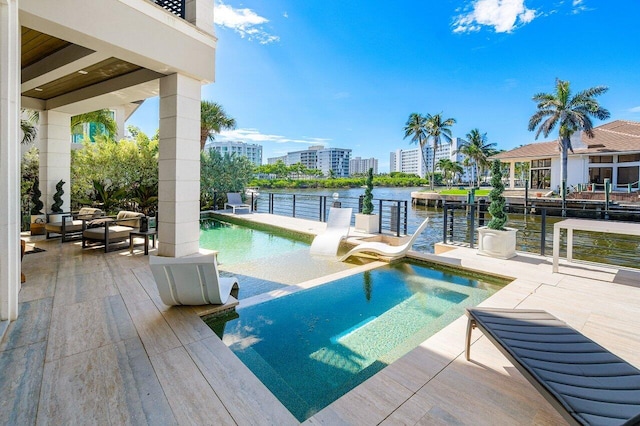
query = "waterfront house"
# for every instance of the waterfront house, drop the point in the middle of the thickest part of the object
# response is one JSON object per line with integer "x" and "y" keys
{"x": 613, "y": 153}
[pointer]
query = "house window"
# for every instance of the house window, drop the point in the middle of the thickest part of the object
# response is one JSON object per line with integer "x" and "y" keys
{"x": 599, "y": 174}
{"x": 629, "y": 158}
{"x": 601, "y": 159}
{"x": 628, "y": 175}
{"x": 545, "y": 162}
{"x": 541, "y": 173}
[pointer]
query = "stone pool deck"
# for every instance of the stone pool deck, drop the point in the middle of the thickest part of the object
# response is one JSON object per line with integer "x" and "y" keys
{"x": 95, "y": 345}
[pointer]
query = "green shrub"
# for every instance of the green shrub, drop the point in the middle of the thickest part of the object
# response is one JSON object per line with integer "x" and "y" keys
{"x": 367, "y": 203}
{"x": 496, "y": 208}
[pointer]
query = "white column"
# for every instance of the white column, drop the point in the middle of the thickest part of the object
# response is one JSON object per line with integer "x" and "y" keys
{"x": 200, "y": 14}
{"x": 512, "y": 175}
{"x": 179, "y": 166}
{"x": 55, "y": 157}
{"x": 9, "y": 159}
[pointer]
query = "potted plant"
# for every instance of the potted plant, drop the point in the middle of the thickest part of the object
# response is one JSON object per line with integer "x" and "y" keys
{"x": 366, "y": 221}
{"x": 495, "y": 239}
{"x": 56, "y": 207}
{"x": 37, "y": 217}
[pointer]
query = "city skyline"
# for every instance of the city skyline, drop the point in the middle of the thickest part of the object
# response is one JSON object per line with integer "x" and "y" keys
{"x": 298, "y": 74}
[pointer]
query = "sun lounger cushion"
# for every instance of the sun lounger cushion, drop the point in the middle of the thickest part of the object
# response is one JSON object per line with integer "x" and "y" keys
{"x": 585, "y": 382}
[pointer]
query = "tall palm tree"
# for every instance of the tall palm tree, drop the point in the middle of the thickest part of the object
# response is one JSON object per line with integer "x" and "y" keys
{"x": 213, "y": 119}
{"x": 570, "y": 113}
{"x": 477, "y": 149}
{"x": 103, "y": 117}
{"x": 438, "y": 128}
{"x": 416, "y": 127}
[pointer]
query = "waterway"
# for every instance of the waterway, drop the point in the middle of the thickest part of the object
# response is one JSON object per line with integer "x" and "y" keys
{"x": 606, "y": 248}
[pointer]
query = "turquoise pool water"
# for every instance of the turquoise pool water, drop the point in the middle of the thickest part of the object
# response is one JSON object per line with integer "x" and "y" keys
{"x": 311, "y": 347}
{"x": 238, "y": 244}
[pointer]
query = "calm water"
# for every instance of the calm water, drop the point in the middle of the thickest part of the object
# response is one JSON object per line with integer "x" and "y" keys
{"x": 237, "y": 244}
{"x": 313, "y": 346}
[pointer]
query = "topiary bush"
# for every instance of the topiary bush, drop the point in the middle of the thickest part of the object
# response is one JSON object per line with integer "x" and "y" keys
{"x": 367, "y": 201}
{"x": 35, "y": 197}
{"x": 57, "y": 198}
{"x": 496, "y": 208}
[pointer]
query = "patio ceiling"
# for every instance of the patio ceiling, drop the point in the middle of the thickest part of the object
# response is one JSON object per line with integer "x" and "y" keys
{"x": 52, "y": 67}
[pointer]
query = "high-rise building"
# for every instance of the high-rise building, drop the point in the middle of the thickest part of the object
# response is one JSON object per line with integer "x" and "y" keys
{"x": 250, "y": 150}
{"x": 362, "y": 165}
{"x": 318, "y": 157}
{"x": 410, "y": 160}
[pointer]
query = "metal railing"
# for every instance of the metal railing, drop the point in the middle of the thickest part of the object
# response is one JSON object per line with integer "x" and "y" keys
{"x": 177, "y": 7}
{"x": 392, "y": 214}
{"x": 535, "y": 230}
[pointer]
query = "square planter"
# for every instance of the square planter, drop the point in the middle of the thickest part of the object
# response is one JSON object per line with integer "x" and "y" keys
{"x": 495, "y": 243}
{"x": 368, "y": 223}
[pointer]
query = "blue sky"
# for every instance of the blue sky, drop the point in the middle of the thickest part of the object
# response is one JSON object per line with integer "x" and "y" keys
{"x": 348, "y": 74}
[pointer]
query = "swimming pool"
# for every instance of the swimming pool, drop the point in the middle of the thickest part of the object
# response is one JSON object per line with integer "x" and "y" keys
{"x": 311, "y": 347}
{"x": 239, "y": 244}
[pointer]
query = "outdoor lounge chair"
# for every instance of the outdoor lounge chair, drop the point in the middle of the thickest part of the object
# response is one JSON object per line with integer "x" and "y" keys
{"x": 234, "y": 200}
{"x": 71, "y": 224}
{"x": 191, "y": 280}
{"x": 338, "y": 224}
{"x": 583, "y": 381}
{"x": 108, "y": 230}
{"x": 386, "y": 250}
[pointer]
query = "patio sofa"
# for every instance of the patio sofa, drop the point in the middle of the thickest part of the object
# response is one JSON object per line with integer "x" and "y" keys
{"x": 583, "y": 381}
{"x": 71, "y": 224}
{"x": 109, "y": 230}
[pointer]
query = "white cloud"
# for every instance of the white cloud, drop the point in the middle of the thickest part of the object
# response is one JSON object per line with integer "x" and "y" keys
{"x": 245, "y": 22}
{"x": 254, "y": 135}
{"x": 635, "y": 109}
{"x": 578, "y": 6}
{"x": 285, "y": 14}
{"x": 503, "y": 15}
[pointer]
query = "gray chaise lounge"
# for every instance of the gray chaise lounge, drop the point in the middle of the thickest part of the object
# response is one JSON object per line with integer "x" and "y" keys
{"x": 585, "y": 382}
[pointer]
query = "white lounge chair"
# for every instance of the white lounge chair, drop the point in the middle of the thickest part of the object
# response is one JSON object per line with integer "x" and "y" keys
{"x": 387, "y": 250}
{"x": 234, "y": 200}
{"x": 191, "y": 280}
{"x": 338, "y": 224}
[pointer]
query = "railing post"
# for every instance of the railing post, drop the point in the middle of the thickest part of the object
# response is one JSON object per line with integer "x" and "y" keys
{"x": 321, "y": 213}
{"x": 543, "y": 230}
{"x": 380, "y": 218}
{"x": 472, "y": 224}
{"x": 271, "y": 203}
{"x": 405, "y": 217}
{"x": 482, "y": 208}
{"x": 445, "y": 211}
{"x": 607, "y": 189}
{"x": 526, "y": 194}
{"x": 398, "y": 218}
{"x": 294, "y": 205}
{"x": 360, "y": 202}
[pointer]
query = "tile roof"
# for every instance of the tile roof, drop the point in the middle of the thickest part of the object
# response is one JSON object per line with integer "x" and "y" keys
{"x": 616, "y": 137}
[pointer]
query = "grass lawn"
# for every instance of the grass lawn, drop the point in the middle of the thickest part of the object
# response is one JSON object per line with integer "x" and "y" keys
{"x": 452, "y": 191}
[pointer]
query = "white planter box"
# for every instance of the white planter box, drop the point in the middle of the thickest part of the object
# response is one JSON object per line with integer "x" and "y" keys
{"x": 368, "y": 223}
{"x": 499, "y": 244}
{"x": 55, "y": 217}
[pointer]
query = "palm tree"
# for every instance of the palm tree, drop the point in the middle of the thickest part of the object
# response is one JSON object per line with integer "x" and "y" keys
{"x": 438, "y": 128}
{"x": 103, "y": 117}
{"x": 29, "y": 126}
{"x": 477, "y": 149}
{"x": 416, "y": 127}
{"x": 570, "y": 113}
{"x": 213, "y": 119}
{"x": 445, "y": 165}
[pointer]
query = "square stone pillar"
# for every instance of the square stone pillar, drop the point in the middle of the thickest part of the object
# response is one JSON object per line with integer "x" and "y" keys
{"x": 55, "y": 157}
{"x": 512, "y": 175}
{"x": 179, "y": 166}
{"x": 200, "y": 14}
{"x": 9, "y": 159}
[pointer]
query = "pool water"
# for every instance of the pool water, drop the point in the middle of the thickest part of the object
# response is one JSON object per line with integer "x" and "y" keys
{"x": 238, "y": 244}
{"x": 311, "y": 347}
